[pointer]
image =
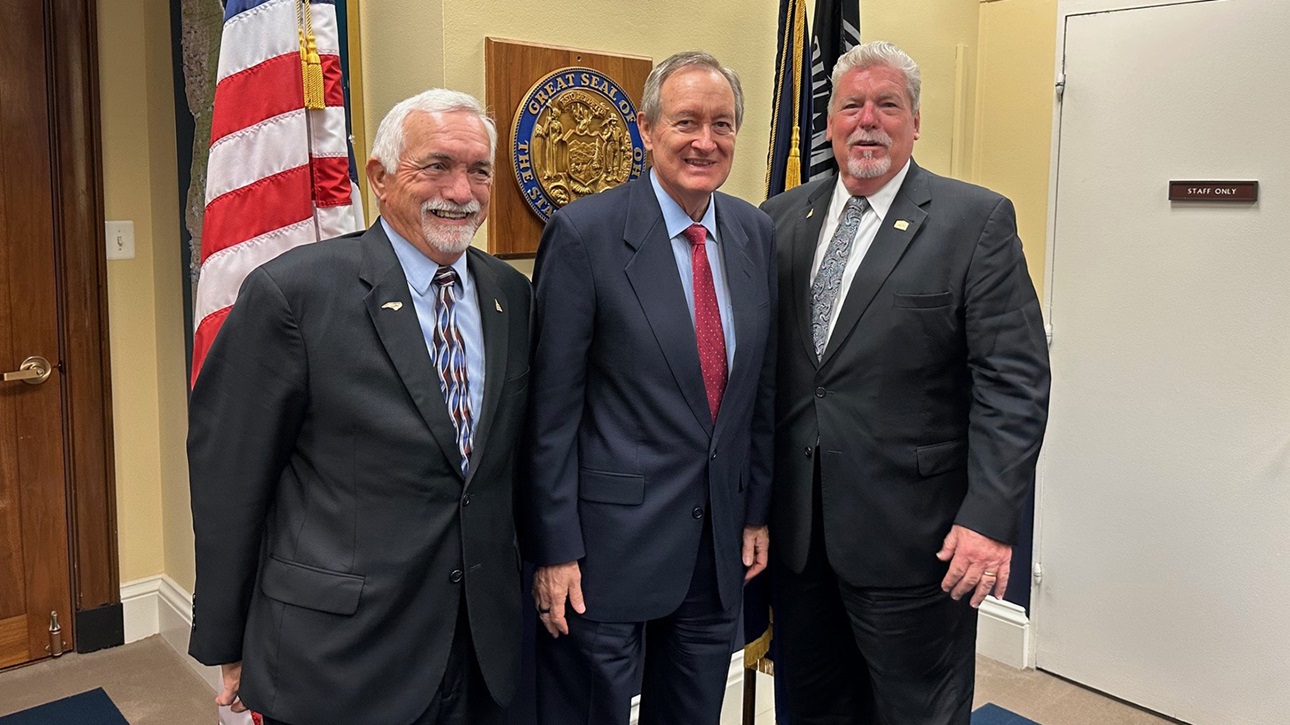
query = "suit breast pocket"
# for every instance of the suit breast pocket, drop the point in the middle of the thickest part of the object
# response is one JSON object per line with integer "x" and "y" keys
{"x": 921, "y": 300}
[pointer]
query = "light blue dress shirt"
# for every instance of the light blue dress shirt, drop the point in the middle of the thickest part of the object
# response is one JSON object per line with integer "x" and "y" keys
{"x": 677, "y": 221}
{"x": 419, "y": 271}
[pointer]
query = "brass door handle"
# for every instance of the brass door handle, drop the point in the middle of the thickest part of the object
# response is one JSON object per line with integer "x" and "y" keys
{"x": 33, "y": 371}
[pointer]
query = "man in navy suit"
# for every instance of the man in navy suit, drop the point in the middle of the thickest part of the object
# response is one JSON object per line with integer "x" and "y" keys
{"x": 652, "y": 393}
{"x": 912, "y": 397}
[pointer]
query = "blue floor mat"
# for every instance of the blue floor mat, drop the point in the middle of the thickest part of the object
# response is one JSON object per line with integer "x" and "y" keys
{"x": 88, "y": 708}
{"x": 987, "y": 714}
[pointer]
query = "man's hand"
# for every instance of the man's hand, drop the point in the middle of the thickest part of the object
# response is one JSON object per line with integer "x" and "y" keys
{"x": 756, "y": 543}
{"x": 231, "y": 673}
{"x": 978, "y": 564}
{"x": 552, "y": 585}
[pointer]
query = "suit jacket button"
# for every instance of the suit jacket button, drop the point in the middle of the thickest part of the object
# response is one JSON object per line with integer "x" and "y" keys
{"x": 809, "y": 451}
{"x": 697, "y": 512}
{"x": 455, "y": 576}
{"x": 819, "y": 392}
{"x": 465, "y": 500}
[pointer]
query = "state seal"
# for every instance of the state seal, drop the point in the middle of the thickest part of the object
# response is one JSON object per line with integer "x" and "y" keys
{"x": 574, "y": 134}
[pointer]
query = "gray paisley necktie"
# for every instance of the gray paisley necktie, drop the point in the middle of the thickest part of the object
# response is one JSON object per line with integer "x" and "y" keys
{"x": 828, "y": 280}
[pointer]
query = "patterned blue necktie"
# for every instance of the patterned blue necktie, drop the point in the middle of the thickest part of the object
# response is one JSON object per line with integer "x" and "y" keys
{"x": 828, "y": 280}
{"x": 450, "y": 361}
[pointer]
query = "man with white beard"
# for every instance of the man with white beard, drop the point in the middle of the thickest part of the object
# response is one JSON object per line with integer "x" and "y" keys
{"x": 911, "y": 397}
{"x": 351, "y": 454}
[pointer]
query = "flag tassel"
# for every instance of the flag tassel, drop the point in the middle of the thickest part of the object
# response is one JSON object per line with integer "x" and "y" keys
{"x": 793, "y": 168}
{"x": 310, "y": 62}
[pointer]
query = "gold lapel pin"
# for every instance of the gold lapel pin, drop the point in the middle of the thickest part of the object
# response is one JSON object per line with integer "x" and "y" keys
{"x": 901, "y": 224}
{"x": 809, "y": 212}
{"x": 498, "y": 305}
{"x": 396, "y": 306}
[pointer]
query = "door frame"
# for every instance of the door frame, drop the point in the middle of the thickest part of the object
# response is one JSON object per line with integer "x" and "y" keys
{"x": 81, "y": 263}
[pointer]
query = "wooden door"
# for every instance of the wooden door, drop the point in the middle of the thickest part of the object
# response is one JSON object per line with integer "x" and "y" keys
{"x": 34, "y": 570}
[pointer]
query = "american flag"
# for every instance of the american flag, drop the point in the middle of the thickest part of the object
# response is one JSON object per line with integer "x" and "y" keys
{"x": 279, "y": 172}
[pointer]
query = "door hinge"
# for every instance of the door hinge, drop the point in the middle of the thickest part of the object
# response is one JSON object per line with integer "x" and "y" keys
{"x": 1037, "y": 573}
{"x": 1060, "y": 86}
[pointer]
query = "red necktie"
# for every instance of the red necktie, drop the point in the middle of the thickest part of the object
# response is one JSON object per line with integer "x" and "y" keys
{"x": 707, "y": 320}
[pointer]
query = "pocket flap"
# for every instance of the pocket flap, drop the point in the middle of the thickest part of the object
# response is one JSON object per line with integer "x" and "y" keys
{"x": 605, "y": 487}
{"x": 311, "y": 587}
{"x": 922, "y": 300}
{"x": 941, "y": 457}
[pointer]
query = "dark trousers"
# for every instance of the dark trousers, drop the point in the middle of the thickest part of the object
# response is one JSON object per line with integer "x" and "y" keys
{"x": 678, "y": 663}
{"x": 462, "y": 697}
{"x": 872, "y": 656}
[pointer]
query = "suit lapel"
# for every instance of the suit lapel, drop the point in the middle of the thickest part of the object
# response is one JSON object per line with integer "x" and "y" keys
{"x": 400, "y": 332}
{"x": 744, "y": 299}
{"x": 654, "y": 278}
{"x": 805, "y": 236}
{"x": 494, "y": 313}
{"x": 888, "y": 247}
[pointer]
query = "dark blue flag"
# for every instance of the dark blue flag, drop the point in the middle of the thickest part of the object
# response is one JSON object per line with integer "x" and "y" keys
{"x": 790, "y": 121}
{"x": 837, "y": 30}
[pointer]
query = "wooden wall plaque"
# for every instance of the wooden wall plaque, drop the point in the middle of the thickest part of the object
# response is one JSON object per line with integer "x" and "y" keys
{"x": 511, "y": 68}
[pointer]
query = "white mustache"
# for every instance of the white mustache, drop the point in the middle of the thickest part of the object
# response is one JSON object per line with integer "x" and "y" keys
{"x": 859, "y": 135}
{"x": 470, "y": 207}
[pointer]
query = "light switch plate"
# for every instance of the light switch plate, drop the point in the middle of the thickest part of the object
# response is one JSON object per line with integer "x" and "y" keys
{"x": 120, "y": 240}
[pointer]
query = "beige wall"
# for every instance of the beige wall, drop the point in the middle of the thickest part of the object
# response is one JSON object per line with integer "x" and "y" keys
{"x": 145, "y": 314}
{"x": 1000, "y": 138}
{"x": 1018, "y": 44}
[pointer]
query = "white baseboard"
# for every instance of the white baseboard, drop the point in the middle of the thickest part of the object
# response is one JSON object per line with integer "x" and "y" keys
{"x": 158, "y": 605}
{"x": 1003, "y": 633}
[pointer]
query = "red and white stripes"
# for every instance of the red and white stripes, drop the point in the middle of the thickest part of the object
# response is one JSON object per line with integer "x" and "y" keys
{"x": 278, "y": 174}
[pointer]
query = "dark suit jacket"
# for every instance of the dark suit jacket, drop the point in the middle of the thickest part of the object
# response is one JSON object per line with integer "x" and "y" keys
{"x": 625, "y": 458}
{"x": 335, "y": 532}
{"x": 930, "y": 401}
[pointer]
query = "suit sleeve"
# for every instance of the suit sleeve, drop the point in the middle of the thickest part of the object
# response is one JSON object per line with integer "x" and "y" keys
{"x": 564, "y": 322}
{"x": 1008, "y": 363}
{"x": 762, "y": 451}
{"x": 245, "y": 411}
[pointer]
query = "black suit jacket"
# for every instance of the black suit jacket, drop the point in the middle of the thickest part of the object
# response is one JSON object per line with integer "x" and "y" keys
{"x": 929, "y": 403}
{"x": 625, "y": 457}
{"x": 335, "y": 532}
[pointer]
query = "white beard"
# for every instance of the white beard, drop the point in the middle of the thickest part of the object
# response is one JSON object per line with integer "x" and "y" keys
{"x": 449, "y": 241}
{"x": 868, "y": 167}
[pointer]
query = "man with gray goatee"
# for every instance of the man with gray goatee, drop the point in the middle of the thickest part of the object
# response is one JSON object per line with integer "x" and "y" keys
{"x": 911, "y": 403}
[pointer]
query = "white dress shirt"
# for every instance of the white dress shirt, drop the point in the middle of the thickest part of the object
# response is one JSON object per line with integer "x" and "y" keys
{"x": 879, "y": 204}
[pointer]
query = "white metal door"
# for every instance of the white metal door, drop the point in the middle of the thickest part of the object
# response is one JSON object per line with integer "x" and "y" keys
{"x": 1164, "y": 509}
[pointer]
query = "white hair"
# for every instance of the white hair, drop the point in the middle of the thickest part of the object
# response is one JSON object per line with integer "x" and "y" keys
{"x": 880, "y": 52}
{"x": 387, "y": 148}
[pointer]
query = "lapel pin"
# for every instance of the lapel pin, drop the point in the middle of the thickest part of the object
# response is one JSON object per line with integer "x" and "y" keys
{"x": 498, "y": 305}
{"x": 810, "y": 212}
{"x": 396, "y": 306}
{"x": 901, "y": 224}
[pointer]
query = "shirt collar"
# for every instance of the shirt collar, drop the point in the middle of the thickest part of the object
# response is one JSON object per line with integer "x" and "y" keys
{"x": 417, "y": 267}
{"x": 674, "y": 216}
{"x": 880, "y": 201}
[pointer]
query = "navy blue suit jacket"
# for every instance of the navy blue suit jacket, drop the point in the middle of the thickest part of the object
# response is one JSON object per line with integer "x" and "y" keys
{"x": 625, "y": 459}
